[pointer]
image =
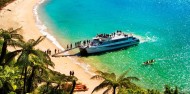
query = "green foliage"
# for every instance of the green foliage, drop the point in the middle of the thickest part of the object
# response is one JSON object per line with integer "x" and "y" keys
{"x": 112, "y": 82}
{"x": 4, "y": 3}
{"x": 9, "y": 37}
{"x": 131, "y": 91}
{"x": 8, "y": 79}
{"x": 29, "y": 69}
{"x": 55, "y": 82}
{"x": 50, "y": 89}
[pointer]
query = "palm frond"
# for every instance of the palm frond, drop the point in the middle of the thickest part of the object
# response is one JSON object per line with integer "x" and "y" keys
{"x": 96, "y": 77}
{"x": 41, "y": 38}
{"x": 123, "y": 75}
{"x": 112, "y": 76}
{"x": 1, "y": 32}
{"x": 101, "y": 86}
{"x": 23, "y": 59}
{"x": 43, "y": 57}
{"x": 11, "y": 55}
{"x": 103, "y": 74}
{"x": 133, "y": 78}
{"x": 46, "y": 58}
{"x": 107, "y": 90}
{"x": 17, "y": 36}
{"x": 14, "y": 43}
{"x": 30, "y": 41}
{"x": 14, "y": 31}
{"x": 99, "y": 72}
{"x": 10, "y": 30}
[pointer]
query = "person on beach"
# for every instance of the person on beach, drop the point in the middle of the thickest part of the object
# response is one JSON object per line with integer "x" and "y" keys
{"x": 70, "y": 73}
{"x": 84, "y": 42}
{"x": 55, "y": 51}
{"x": 71, "y": 46}
{"x": 77, "y": 44}
{"x": 67, "y": 46}
{"x": 49, "y": 52}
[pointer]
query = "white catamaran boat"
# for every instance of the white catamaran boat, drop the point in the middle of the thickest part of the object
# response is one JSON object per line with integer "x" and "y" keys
{"x": 108, "y": 42}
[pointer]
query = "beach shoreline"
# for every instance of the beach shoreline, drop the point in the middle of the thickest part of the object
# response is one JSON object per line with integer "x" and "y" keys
{"x": 22, "y": 14}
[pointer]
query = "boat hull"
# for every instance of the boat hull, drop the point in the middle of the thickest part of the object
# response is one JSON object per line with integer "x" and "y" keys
{"x": 105, "y": 48}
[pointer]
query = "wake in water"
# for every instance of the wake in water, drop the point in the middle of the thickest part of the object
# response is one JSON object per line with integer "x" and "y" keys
{"x": 147, "y": 38}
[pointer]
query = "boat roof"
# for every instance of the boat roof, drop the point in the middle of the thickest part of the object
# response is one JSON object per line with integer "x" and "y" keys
{"x": 115, "y": 37}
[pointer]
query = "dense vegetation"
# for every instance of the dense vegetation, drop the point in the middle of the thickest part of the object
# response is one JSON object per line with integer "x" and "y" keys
{"x": 25, "y": 70}
{"x": 3, "y": 3}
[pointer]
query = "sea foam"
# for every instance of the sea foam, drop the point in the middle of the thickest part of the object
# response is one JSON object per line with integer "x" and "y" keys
{"x": 43, "y": 28}
{"x": 146, "y": 38}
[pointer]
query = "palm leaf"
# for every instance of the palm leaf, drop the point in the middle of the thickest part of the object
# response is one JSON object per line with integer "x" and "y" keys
{"x": 43, "y": 57}
{"x": 112, "y": 76}
{"x": 10, "y": 56}
{"x": 123, "y": 75}
{"x": 30, "y": 42}
{"x": 17, "y": 36}
{"x": 14, "y": 43}
{"x": 133, "y": 78}
{"x": 12, "y": 31}
{"x": 101, "y": 86}
{"x": 107, "y": 90}
{"x": 23, "y": 59}
{"x": 41, "y": 38}
{"x": 96, "y": 77}
{"x": 104, "y": 74}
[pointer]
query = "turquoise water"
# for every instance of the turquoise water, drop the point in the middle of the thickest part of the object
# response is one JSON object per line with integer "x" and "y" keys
{"x": 163, "y": 25}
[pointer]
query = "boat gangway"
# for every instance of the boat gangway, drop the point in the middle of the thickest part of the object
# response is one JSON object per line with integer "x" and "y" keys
{"x": 61, "y": 54}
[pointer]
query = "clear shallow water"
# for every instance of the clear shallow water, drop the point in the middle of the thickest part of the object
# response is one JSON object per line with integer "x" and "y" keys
{"x": 164, "y": 25}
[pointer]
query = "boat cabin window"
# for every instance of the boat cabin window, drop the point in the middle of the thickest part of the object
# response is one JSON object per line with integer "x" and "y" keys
{"x": 95, "y": 40}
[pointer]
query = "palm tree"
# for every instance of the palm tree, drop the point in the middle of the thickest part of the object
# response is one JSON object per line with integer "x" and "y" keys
{"x": 9, "y": 37}
{"x": 37, "y": 67}
{"x": 112, "y": 82}
{"x": 28, "y": 56}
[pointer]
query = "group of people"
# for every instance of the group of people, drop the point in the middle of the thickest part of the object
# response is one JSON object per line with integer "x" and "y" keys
{"x": 48, "y": 51}
{"x": 103, "y": 35}
{"x": 56, "y": 51}
{"x": 69, "y": 47}
{"x": 71, "y": 73}
{"x": 149, "y": 62}
{"x": 78, "y": 44}
{"x": 110, "y": 35}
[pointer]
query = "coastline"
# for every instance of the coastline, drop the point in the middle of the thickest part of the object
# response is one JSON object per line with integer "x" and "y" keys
{"x": 22, "y": 14}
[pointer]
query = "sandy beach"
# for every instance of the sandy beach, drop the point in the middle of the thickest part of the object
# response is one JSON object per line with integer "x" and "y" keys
{"x": 20, "y": 14}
